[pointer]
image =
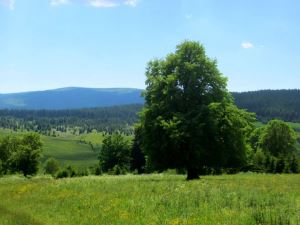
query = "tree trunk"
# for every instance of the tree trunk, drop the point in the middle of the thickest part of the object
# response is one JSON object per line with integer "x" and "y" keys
{"x": 192, "y": 174}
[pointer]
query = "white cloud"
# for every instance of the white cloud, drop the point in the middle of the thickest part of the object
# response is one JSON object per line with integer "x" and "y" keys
{"x": 8, "y": 3}
{"x": 247, "y": 45}
{"x": 96, "y": 3}
{"x": 132, "y": 3}
{"x": 59, "y": 2}
{"x": 103, "y": 3}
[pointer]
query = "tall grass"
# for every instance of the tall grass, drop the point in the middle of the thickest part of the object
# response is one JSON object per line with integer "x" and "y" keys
{"x": 152, "y": 199}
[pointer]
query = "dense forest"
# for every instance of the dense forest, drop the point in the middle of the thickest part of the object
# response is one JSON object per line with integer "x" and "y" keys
{"x": 271, "y": 104}
{"x": 106, "y": 119}
{"x": 267, "y": 104}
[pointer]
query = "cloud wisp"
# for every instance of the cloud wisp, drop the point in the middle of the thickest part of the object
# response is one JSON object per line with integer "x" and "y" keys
{"x": 10, "y": 4}
{"x": 59, "y": 2}
{"x": 97, "y": 3}
{"x": 247, "y": 45}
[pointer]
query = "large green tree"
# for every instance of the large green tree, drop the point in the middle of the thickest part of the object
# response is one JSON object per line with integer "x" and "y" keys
{"x": 178, "y": 112}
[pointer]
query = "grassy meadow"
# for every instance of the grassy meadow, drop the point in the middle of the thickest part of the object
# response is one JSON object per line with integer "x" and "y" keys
{"x": 68, "y": 149}
{"x": 152, "y": 199}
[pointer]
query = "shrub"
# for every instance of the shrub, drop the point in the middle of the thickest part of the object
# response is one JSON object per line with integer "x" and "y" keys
{"x": 52, "y": 166}
{"x": 1, "y": 168}
{"x": 69, "y": 171}
{"x": 62, "y": 174}
{"x": 97, "y": 170}
{"x": 117, "y": 170}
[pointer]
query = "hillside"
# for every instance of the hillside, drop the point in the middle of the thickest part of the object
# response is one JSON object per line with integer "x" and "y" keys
{"x": 71, "y": 98}
{"x": 267, "y": 104}
{"x": 270, "y": 104}
{"x": 107, "y": 119}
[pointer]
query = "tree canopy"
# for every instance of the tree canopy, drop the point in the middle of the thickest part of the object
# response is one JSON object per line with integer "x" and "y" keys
{"x": 21, "y": 154}
{"x": 278, "y": 138}
{"x": 115, "y": 153}
{"x": 178, "y": 111}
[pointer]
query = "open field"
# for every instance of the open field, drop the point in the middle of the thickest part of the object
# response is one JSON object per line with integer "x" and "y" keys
{"x": 67, "y": 149}
{"x": 152, "y": 199}
{"x": 70, "y": 149}
{"x": 69, "y": 152}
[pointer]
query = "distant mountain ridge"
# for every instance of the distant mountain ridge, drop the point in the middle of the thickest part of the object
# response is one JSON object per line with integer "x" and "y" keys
{"x": 267, "y": 104}
{"x": 71, "y": 98}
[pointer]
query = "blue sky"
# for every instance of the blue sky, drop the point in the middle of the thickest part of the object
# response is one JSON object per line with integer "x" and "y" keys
{"x": 47, "y": 44}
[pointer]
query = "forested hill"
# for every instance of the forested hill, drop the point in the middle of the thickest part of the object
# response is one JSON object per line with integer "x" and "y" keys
{"x": 71, "y": 98}
{"x": 270, "y": 104}
{"x": 121, "y": 118}
{"x": 267, "y": 104}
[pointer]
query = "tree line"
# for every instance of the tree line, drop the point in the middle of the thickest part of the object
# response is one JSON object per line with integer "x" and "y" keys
{"x": 271, "y": 104}
{"x": 106, "y": 119}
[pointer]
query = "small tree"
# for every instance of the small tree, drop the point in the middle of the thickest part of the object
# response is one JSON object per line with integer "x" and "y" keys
{"x": 8, "y": 145}
{"x": 115, "y": 151}
{"x": 25, "y": 157}
{"x": 278, "y": 138}
{"x": 51, "y": 166}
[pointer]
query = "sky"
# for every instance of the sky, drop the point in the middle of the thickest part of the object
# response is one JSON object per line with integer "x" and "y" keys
{"x": 47, "y": 44}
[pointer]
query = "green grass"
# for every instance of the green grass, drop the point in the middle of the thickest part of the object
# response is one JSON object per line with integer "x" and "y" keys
{"x": 94, "y": 138}
{"x": 66, "y": 149}
{"x": 153, "y": 199}
{"x": 69, "y": 152}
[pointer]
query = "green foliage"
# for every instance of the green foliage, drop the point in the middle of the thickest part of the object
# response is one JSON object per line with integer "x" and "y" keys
{"x": 68, "y": 171}
{"x": 180, "y": 91}
{"x": 278, "y": 138}
{"x": 138, "y": 160}
{"x": 97, "y": 170}
{"x": 1, "y": 168}
{"x": 117, "y": 170}
{"x": 52, "y": 166}
{"x": 242, "y": 199}
{"x": 21, "y": 154}
{"x": 274, "y": 148}
{"x": 115, "y": 151}
{"x": 271, "y": 104}
{"x": 48, "y": 122}
{"x": 227, "y": 131}
{"x": 62, "y": 174}
{"x": 8, "y": 145}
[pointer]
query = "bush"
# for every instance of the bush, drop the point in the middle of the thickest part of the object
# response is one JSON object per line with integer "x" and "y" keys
{"x": 69, "y": 171}
{"x": 62, "y": 174}
{"x": 97, "y": 170}
{"x": 82, "y": 172}
{"x": 117, "y": 170}
{"x": 52, "y": 166}
{"x": 1, "y": 168}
